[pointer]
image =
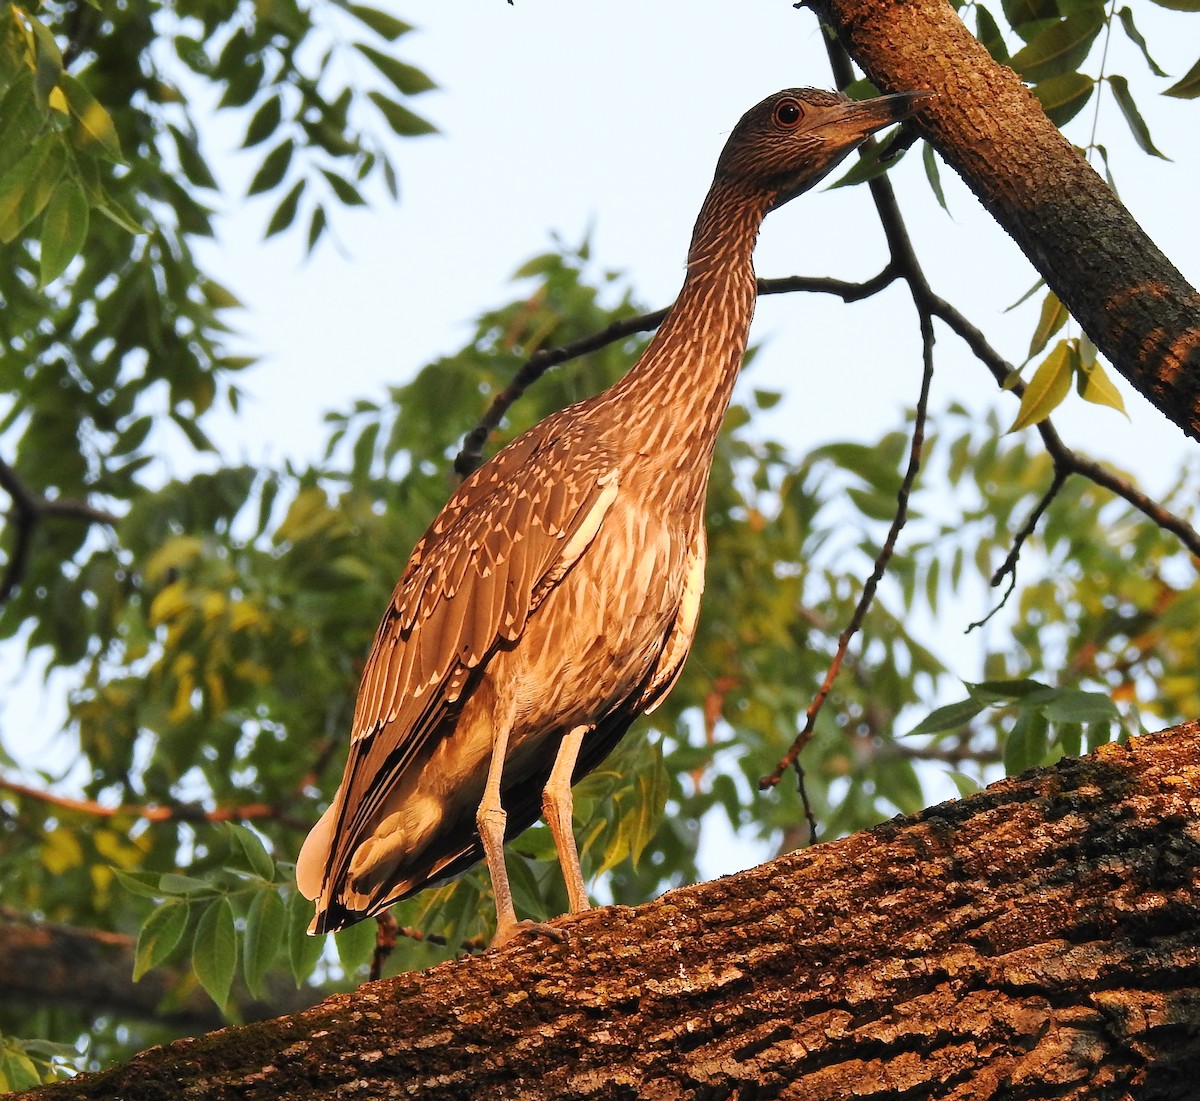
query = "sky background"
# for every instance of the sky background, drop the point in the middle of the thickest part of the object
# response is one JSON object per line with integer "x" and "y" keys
{"x": 567, "y": 118}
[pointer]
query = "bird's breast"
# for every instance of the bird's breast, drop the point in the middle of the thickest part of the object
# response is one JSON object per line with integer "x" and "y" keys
{"x": 601, "y": 630}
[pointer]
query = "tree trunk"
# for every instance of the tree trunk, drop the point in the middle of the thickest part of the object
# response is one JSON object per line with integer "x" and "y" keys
{"x": 1039, "y": 939}
{"x": 1127, "y": 295}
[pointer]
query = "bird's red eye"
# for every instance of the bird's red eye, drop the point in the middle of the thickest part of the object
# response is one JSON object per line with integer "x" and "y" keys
{"x": 788, "y": 113}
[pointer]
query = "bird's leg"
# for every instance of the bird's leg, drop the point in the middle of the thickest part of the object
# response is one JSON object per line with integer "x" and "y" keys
{"x": 491, "y": 819}
{"x": 557, "y": 804}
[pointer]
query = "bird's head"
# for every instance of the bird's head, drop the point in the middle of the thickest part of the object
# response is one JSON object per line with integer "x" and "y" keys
{"x": 789, "y": 141}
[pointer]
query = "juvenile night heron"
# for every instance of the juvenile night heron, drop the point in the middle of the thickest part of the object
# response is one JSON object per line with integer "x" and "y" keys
{"x": 554, "y": 598}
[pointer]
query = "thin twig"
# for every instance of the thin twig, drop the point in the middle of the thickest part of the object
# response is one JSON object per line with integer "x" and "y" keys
{"x": 182, "y": 812}
{"x": 28, "y": 510}
{"x": 1008, "y": 568}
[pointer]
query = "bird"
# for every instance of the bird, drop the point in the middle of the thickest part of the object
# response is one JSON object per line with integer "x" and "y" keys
{"x": 555, "y": 597}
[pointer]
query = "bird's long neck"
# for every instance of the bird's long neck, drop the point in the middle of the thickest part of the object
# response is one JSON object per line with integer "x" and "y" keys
{"x": 682, "y": 384}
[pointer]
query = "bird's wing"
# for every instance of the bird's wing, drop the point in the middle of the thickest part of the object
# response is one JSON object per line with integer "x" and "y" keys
{"x": 503, "y": 541}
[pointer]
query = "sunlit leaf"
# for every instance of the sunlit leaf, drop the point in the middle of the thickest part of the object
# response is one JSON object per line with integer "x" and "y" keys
{"x": 1094, "y": 385}
{"x": 1044, "y": 392}
{"x": 95, "y": 125}
{"x": 1053, "y": 317}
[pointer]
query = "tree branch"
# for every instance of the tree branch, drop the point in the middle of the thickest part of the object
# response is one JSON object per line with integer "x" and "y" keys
{"x": 931, "y": 956}
{"x": 1129, "y": 298}
{"x": 28, "y": 510}
{"x": 178, "y": 812}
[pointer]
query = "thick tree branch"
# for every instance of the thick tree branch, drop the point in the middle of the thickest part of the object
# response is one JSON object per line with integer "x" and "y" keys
{"x": 1039, "y": 939}
{"x": 1131, "y": 300}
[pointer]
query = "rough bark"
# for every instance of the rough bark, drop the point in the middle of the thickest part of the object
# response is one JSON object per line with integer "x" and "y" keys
{"x": 43, "y": 963}
{"x": 1039, "y": 939}
{"x": 1127, "y": 295}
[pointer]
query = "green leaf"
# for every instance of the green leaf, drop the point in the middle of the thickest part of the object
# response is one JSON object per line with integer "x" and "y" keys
{"x": 316, "y": 227}
{"x": 255, "y": 851}
{"x": 1060, "y": 48}
{"x": 194, "y": 166}
{"x": 265, "y": 122}
{"x": 266, "y": 921}
{"x": 49, "y": 60}
{"x": 1027, "y": 744}
{"x": 343, "y": 189}
{"x": 1188, "y": 87}
{"x": 401, "y": 119}
{"x": 303, "y": 950}
{"x": 407, "y": 79}
{"x": 953, "y": 716}
{"x": 142, "y": 884}
{"x": 95, "y": 125}
{"x": 355, "y": 945}
{"x": 1004, "y": 691}
{"x": 22, "y": 115}
{"x": 1179, "y": 5}
{"x": 214, "y": 951}
{"x": 1063, "y": 97}
{"x": 1053, "y": 317}
{"x": 285, "y": 212}
{"x": 159, "y": 935}
{"x": 990, "y": 35}
{"x": 1029, "y": 17}
{"x": 273, "y": 168}
{"x": 932, "y": 174}
{"x": 1074, "y": 705}
{"x": 383, "y": 24}
{"x": 26, "y": 188}
{"x": 64, "y": 229}
{"x": 1137, "y": 125}
{"x": 1051, "y": 383}
{"x": 1135, "y": 36}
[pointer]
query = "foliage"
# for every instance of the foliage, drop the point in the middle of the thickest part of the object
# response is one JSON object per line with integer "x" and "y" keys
{"x": 213, "y": 634}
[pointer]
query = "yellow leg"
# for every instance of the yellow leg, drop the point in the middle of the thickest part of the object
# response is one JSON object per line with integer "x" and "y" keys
{"x": 491, "y": 819}
{"x": 557, "y": 804}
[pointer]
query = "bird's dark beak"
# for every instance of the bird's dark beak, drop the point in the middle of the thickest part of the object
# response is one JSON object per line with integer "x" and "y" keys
{"x": 844, "y": 126}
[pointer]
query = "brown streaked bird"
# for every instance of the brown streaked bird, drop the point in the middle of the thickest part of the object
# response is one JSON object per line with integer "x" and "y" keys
{"x": 554, "y": 599}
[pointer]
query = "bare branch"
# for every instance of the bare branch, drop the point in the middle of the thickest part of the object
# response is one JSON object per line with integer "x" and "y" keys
{"x": 180, "y": 812}
{"x": 470, "y": 455}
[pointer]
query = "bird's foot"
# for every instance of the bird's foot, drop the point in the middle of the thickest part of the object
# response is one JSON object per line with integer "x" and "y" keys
{"x": 529, "y": 928}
